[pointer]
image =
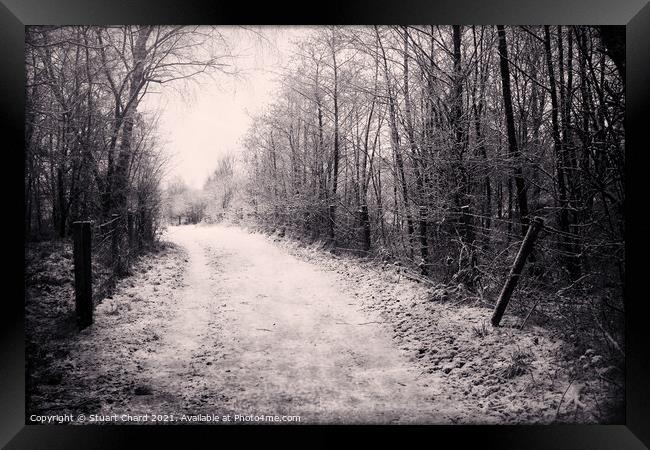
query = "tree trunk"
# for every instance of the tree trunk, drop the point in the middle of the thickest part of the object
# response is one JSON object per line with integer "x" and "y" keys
{"x": 422, "y": 211}
{"x": 335, "y": 174}
{"x": 395, "y": 144}
{"x": 557, "y": 143}
{"x": 121, "y": 182}
{"x": 461, "y": 178}
{"x": 520, "y": 184}
{"x": 613, "y": 36}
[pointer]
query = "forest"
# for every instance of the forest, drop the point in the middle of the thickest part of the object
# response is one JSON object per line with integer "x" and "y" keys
{"x": 91, "y": 153}
{"x": 431, "y": 147}
{"x": 435, "y": 146}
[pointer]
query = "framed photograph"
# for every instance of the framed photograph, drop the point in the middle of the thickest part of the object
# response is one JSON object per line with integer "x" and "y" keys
{"x": 394, "y": 218}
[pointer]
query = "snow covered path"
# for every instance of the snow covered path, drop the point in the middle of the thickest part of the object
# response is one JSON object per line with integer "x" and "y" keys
{"x": 269, "y": 334}
{"x": 218, "y": 321}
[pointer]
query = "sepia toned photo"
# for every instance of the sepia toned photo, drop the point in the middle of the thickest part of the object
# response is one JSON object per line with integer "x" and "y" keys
{"x": 289, "y": 225}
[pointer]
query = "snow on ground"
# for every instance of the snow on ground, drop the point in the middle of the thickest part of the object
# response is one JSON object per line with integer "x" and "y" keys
{"x": 295, "y": 344}
{"x": 224, "y": 321}
{"x": 495, "y": 375}
{"x": 100, "y": 367}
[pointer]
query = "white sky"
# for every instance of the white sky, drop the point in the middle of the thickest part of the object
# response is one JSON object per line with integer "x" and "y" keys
{"x": 199, "y": 123}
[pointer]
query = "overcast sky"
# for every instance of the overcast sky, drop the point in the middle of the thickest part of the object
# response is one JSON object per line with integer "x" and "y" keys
{"x": 200, "y": 123}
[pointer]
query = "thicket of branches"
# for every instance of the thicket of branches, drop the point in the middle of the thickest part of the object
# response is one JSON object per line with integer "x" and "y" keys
{"x": 90, "y": 152}
{"x": 436, "y": 145}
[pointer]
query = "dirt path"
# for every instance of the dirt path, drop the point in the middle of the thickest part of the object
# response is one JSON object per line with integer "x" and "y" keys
{"x": 220, "y": 321}
{"x": 271, "y": 334}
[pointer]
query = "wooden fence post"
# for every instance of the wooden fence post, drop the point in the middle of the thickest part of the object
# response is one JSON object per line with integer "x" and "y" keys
{"x": 130, "y": 222}
{"x": 365, "y": 227}
{"x": 115, "y": 250}
{"x": 515, "y": 271}
{"x": 331, "y": 212}
{"x": 83, "y": 273}
{"x": 131, "y": 231}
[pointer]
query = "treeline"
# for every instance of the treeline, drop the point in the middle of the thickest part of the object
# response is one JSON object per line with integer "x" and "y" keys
{"x": 436, "y": 145}
{"x": 220, "y": 199}
{"x": 90, "y": 151}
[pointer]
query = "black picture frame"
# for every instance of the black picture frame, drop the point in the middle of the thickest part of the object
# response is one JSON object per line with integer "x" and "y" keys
{"x": 633, "y": 14}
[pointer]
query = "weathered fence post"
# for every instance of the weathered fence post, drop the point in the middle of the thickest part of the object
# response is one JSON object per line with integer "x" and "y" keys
{"x": 83, "y": 273}
{"x": 114, "y": 240}
{"x": 331, "y": 212}
{"x": 130, "y": 222}
{"x": 515, "y": 271}
{"x": 131, "y": 231}
{"x": 365, "y": 227}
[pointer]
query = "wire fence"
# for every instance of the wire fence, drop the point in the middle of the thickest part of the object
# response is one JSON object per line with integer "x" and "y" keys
{"x": 572, "y": 273}
{"x": 115, "y": 244}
